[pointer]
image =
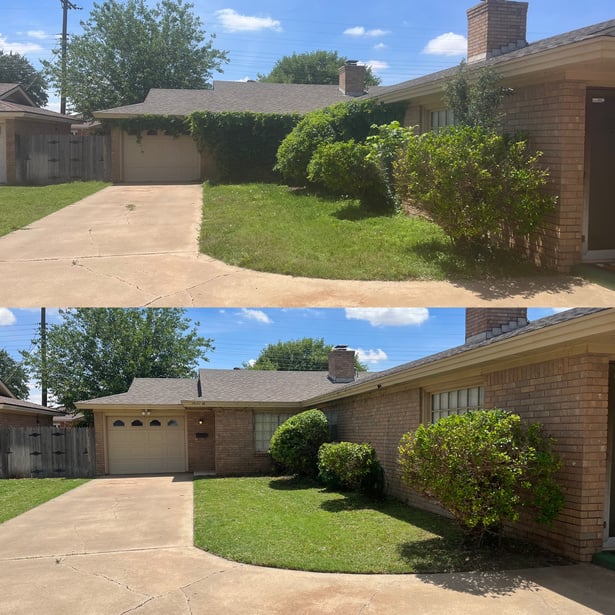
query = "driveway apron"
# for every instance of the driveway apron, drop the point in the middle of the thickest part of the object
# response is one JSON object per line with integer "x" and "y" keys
{"x": 135, "y": 245}
{"x": 121, "y": 545}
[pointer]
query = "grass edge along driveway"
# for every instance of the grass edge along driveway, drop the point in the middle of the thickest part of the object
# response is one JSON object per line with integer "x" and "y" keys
{"x": 296, "y": 524}
{"x": 22, "y": 205}
{"x": 18, "y": 495}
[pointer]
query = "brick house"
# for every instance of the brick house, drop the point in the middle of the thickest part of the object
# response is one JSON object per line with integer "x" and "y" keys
{"x": 559, "y": 371}
{"x": 19, "y": 116}
{"x": 564, "y": 98}
{"x": 19, "y": 413}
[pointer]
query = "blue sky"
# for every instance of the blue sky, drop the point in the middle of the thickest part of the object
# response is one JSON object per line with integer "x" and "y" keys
{"x": 383, "y": 337}
{"x": 399, "y": 40}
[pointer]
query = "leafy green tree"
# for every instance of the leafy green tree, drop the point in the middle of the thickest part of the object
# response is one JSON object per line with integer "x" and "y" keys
{"x": 15, "y": 68}
{"x": 13, "y": 374}
{"x": 303, "y": 355}
{"x": 95, "y": 352}
{"x": 295, "y": 443}
{"x": 484, "y": 467}
{"x": 127, "y": 48}
{"x": 314, "y": 67}
{"x": 476, "y": 99}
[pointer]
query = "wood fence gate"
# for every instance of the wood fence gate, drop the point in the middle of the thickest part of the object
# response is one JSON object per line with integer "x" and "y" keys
{"x": 44, "y": 159}
{"x": 42, "y": 452}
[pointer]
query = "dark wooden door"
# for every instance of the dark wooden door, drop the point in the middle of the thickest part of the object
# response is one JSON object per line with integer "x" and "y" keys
{"x": 600, "y": 239}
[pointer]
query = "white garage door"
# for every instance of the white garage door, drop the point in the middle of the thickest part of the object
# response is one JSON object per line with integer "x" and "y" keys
{"x": 146, "y": 444}
{"x": 160, "y": 158}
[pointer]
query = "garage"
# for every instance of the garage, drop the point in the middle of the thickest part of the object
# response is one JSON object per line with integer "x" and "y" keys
{"x": 158, "y": 157}
{"x": 146, "y": 444}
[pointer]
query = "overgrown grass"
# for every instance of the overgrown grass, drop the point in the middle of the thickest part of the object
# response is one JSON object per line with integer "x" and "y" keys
{"x": 17, "y": 495}
{"x": 295, "y": 524}
{"x": 21, "y": 205}
{"x": 273, "y": 228}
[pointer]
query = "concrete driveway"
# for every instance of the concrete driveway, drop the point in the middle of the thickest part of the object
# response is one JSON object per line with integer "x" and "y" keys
{"x": 124, "y": 545}
{"x": 130, "y": 245}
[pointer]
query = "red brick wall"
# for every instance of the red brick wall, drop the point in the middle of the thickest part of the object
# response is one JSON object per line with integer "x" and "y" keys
{"x": 201, "y": 451}
{"x": 11, "y": 419}
{"x": 553, "y": 116}
{"x": 481, "y": 321}
{"x": 235, "y": 451}
{"x": 569, "y": 396}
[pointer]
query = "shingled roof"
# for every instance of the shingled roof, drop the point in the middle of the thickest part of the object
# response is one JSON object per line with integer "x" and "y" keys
{"x": 150, "y": 392}
{"x": 602, "y": 29}
{"x": 14, "y": 100}
{"x": 25, "y": 407}
{"x": 250, "y": 96}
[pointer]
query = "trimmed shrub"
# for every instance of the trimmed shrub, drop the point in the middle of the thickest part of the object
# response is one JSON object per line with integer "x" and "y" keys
{"x": 295, "y": 443}
{"x": 340, "y": 122}
{"x": 484, "y": 467}
{"x": 480, "y": 187}
{"x": 347, "y": 170}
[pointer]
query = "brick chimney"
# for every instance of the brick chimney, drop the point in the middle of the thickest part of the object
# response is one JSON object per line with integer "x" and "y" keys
{"x": 352, "y": 79}
{"x": 341, "y": 364}
{"x": 496, "y": 27}
{"x": 485, "y": 323}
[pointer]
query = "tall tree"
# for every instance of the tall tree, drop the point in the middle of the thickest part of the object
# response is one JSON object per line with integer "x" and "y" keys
{"x": 98, "y": 351}
{"x": 15, "y": 68}
{"x": 13, "y": 374}
{"x": 127, "y": 48}
{"x": 315, "y": 67}
{"x": 306, "y": 354}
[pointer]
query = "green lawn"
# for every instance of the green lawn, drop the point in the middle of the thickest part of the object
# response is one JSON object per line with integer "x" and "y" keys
{"x": 287, "y": 523}
{"x": 20, "y": 494}
{"x": 273, "y": 228}
{"x": 21, "y": 205}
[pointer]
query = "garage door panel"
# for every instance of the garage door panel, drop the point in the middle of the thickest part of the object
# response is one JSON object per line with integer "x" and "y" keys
{"x": 145, "y": 446}
{"x": 160, "y": 158}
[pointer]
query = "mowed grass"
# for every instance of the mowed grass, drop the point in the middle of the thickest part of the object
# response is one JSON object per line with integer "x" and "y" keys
{"x": 17, "y": 495}
{"x": 22, "y": 205}
{"x": 296, "y": 524}
{"x": 273, "y": 228}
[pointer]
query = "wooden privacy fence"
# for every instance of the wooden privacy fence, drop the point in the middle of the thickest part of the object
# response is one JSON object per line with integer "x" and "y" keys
{"x": 44, "y": 159}
{"x": 42, "y": 452}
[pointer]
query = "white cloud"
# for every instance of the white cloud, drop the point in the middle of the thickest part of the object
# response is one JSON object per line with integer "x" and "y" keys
{"x": 232, "y": 21}
{"x": 6, "y": 317}
{"x": 377, "y": 64}
{"x": 21, "y": 48}
{"x": 361, "y": 31}
{"x": 256, "y": 315}
{"x": 380, "y": 46}
{"x": 389, "y": 317}
{"x": 371, "y": 356}
{"x": 39, "y": 34}
{"x": 448, "y": 44}
{"x": 251, "y": 362}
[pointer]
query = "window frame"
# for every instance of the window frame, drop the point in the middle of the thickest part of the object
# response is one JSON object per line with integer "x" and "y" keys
{"x": 277, "y": 418}
{"x": 445, "y": 401}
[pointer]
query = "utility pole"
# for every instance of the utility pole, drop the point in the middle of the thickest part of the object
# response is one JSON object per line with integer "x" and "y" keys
{"x": 44, "y": 356}
{"x": 66, "y": 6}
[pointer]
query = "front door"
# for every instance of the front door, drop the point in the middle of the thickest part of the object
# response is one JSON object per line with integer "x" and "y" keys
{"x": 599, "y": 237}
{"x": 609, "y": 534}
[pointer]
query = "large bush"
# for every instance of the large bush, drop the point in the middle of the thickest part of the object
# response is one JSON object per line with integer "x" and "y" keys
{"x": 340, "y": 122}
{"x": 484, "y": 467}
{"x": 347, "y": 465}
{"x": 480, "y": 187}
{"x": 347, "y": 170}
{"x": 295, "y": 443}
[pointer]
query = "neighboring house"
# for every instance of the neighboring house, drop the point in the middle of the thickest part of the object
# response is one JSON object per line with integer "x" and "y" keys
{"x": 18, "y": 413}
{"x": 158, "y": 157}
{"x": 19, "y": 116}
{"x": 559, "y": 371}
